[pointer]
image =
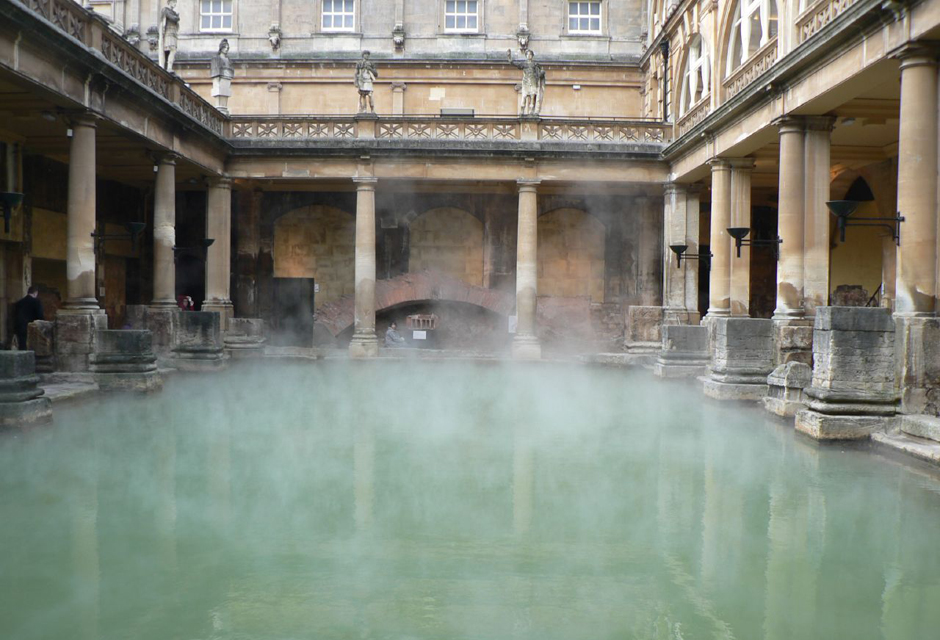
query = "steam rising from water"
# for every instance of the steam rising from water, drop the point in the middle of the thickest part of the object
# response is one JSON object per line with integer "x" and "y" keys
{"x": 444, "y": 500}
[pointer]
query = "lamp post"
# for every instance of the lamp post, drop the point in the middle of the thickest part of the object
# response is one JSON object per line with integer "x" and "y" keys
{"x": 740, "y": 233}
{"x": 842, "y": 209}
{"x": 680, "y": 251}
{"x": 134, "y": 229}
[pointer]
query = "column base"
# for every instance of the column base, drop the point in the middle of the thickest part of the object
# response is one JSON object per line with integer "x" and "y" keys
{"x": 224, "y": 308}
{"x": 163, "y": 323}
{"x": 526, "y": 348}
{"x": 364, "y": 345}
{"x": 793, "y": 340}
{"x": 918, "y": 358}
{"x": 76, "y": 330}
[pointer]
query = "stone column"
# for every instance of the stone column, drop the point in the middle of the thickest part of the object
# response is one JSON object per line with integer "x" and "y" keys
{"x": 693, "y": 212}
{"x": 916, "y": 267}
{"x": 817, "y": 217}
{"x": 80, "y": 318}
{"x": 916, "y": 288}
{"x": 219, "y": 258}
{"x": 82, "y": 203}
{"x": 398, "y": 98}
{"x": 525, "y": 345}
{"x": 364, "y": 343}
{"x": 674, "y": 280}
{"x": 790, "y": 220}
{"x": 163, "y": 313}
{"x": 741, "y": 217}
{"x": 793, "y": 339}
{"x": 719, "y": 296}
{"x": 164, "y": 233}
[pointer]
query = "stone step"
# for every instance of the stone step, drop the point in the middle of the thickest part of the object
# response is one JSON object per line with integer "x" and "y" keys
{"x": 921, "y": 426}
{"x": 927, "y": 450}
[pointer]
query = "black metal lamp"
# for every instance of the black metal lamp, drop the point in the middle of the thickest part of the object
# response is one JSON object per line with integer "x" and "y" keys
{"x": 134, "y": 230}
{"x": 740, "y": 233}
{"x": 680, "y": 251}
{"x": 842, "y": 209}
{"x": 9, "y": 200}
{"x": 200, "y": 251}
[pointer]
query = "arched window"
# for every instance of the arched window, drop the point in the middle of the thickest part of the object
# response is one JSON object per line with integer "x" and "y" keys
{"x": 754, "y": 23}
{"x": 695, "y": 77}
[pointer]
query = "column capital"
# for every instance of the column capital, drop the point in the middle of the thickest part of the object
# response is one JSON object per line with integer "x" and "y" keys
{"x": 527, "y": 185}
{"x": 719, "y": 164}
{"x": 218, "y": 182}
{"x": 399, "y": 86}
{"x": 673, "y": 187}
{"x": 365, "y": 183}
{"x": 741, "y": 164}
{"x": 83, "y": 118}
{"x": 820, "y": 123}
{"x": 165, "y": 157}
{"x": 789, "y": 124}
{"x": 916, "y": 54}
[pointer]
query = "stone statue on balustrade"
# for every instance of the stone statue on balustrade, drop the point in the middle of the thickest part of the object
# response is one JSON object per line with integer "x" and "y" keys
{"x": 169, "y": 35}
{"x": 366, "y": 73}
{"x": 533, "y": 83}
{"x": 221, "y": 71}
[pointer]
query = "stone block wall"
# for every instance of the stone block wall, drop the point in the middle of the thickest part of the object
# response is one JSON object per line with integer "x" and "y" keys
{"x": 449, "y": 241}
{"x": 571, "y": 255}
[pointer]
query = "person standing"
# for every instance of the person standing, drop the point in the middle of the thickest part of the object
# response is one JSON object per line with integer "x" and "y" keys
{"x": 27, "y": 310}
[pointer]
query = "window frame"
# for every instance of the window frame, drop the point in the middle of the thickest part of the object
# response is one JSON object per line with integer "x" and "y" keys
{"x": 341, "y": 30}
{"x": 211, "y": 30}
{"x": 601, "y": 17}
{"x": 739, "y": 26}
{"x": 456, "y": 31}
{"x": 700, "y": 63}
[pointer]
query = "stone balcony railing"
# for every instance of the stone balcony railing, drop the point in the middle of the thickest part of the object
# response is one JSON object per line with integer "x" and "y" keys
{"x": 93, "y": 31}
{"x": 761, "y": 61}
{"x": 437, "y": 128}
{"x": 693, "y": 116}
{"x": 818, "y": 16}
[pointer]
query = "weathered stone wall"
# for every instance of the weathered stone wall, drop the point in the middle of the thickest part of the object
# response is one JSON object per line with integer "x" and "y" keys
{"x": 317, "y": 242}
{"x": 571, "y": 255}
{"x": 450, "y": 241}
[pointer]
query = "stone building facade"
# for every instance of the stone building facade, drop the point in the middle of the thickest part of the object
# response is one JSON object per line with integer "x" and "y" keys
{"x": 664, "y": 123}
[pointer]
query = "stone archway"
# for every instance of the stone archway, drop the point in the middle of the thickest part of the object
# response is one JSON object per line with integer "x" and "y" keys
{"x": 571, "y": 255}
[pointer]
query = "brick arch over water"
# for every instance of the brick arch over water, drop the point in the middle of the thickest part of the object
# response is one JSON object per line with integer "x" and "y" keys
{"x": 411, "y": 288}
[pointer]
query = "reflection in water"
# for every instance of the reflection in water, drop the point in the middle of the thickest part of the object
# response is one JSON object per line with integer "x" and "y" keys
{"x": 430, "y": 500}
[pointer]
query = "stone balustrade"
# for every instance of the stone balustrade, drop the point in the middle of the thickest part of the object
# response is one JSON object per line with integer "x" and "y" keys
{"x": 467, "y": 129}
{"x": 818, "y": 16}
{"x": 761, "y": 61}
{"x": 92, "y": 31}
{"x": 691, "y": 118}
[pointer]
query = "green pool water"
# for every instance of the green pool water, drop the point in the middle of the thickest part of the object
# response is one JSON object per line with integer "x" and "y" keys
{"x": 407, "y": 500}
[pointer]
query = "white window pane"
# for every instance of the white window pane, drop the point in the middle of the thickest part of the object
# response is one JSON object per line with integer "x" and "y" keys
{"x": 472, "y": 6}
{"x": 573, "y": 24}
{"x": 450, "y": 22}
{"x": 461, "y": 6}
{"x": 206, "y": 6}
{"x": 206, "y": 22}
{"x": 472, "y": 22}
{"x": 327, "y": 6}
{"x": 349, "y": 6}
{"x": 596, "y": 9}
{"x": 227, "y": 22}
{"x": 228, "y": 6}
{"x": 461, "y": 22}
{"x": 349, "y": 22}
{"x": 451, "y": 5}
{"x": 595, "y": 24}
{"x": 327, "y": 22}
{"x": 217, "y": 6}
{"x": 583, "y": 24}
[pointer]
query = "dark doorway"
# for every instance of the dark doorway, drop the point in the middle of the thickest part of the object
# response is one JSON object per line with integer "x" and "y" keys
{"x": 293, "y": 312}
